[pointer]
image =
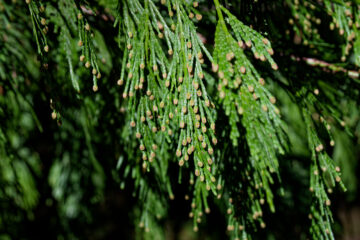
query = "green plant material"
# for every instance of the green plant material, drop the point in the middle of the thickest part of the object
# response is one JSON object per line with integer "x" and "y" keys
{"x": 211, "y": 99}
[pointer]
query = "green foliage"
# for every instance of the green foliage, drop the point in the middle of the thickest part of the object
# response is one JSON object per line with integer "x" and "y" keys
{"x": 167, "y": 98}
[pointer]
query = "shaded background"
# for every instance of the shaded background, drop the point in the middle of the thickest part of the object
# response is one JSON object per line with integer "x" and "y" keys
{"x": 69, "y": 186}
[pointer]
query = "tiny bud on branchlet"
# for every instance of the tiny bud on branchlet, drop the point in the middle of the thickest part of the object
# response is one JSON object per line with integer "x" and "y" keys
{"x": 251, "y": 88}
{"x": 264, "y": 108}
{"x": 229, "y": 211}
{"x": 230, "y": 56}
{"x": 188, "y": 44}
{"x": 132, "y": 124}
{"x": 160, "y": 26}
{"x": 275, "y": 66}
{"x": 215, "y": 67}
{"x": 202, "y": 178}
{"x": 273, "y": 100}
{"x": 270, "y": 51}
{"x": 242, "y": 69}
{"x": 319, "y": 148}
{"x": 120, "y": 82}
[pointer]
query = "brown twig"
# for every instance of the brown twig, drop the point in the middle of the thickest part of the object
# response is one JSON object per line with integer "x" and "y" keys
{"x": 327, "y": 67}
